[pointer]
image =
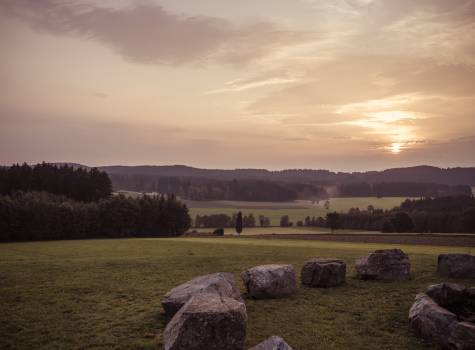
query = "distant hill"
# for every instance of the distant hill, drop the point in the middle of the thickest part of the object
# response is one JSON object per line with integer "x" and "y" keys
{"x": 418, "y": 174}
{"x": 287, "y": 185}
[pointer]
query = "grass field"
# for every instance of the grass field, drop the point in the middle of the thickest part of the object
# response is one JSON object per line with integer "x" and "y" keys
{"x": 105, "y": 294}
{"x": 297, "y": 210}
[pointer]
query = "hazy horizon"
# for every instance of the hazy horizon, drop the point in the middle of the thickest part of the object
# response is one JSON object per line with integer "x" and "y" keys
{"x": 235, "y": 168}
{"x": 344, "y": 85}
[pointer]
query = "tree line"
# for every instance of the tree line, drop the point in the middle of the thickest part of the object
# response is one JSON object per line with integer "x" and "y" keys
{"x": 206, "y": 189}
{"x": 401, "y": 189}
{"x": 26, "y": 216}
{"x": 453, "y": 214}
{"x": 80, "y": 184}
{"x": 223, "y": 220}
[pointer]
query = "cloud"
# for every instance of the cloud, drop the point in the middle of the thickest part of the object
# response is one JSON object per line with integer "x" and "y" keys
{"x": 357, "y": 79}
{"x": 247, "y": 84}
{"x": 147, "y": 33}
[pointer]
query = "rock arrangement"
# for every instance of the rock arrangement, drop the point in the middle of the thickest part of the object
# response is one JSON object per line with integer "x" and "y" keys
{"x": 323, "y": 273}
{"x": 445, "y": 315}
{"x": 456, "y": 265}
{"x": 387, "y": 265}
{"x": 270, "y": 281}
{"x": 221, "y": 284}
{"x": 272, "y": 343}
{"x": 208, "y": 312}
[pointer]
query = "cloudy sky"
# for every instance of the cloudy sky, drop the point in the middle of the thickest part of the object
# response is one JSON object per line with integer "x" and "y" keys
{"x": 339, "y": 84}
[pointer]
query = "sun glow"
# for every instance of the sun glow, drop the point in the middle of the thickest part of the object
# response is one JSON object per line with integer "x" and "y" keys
{"x": 396, "y": 147}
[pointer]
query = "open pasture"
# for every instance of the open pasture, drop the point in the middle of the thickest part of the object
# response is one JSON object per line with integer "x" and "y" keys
{"x": 296, "y": 210}
{"x": 105, "y": 294}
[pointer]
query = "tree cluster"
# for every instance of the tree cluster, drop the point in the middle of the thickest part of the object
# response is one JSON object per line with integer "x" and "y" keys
{"x": 223, "y": 220}
{"x": 43, "y": 216}
{"x": 80, "y": 184}
{"x": 438, "y": 215}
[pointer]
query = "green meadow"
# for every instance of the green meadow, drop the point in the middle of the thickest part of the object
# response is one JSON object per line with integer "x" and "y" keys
{"x": 105, "y": 294}
{"x": 296, "y": 211}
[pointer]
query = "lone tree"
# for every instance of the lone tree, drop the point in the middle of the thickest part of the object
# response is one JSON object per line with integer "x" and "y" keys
{"x": 333, "y": 221}
{"x": 285, "y": 221}
{"x": 239, "y": 223}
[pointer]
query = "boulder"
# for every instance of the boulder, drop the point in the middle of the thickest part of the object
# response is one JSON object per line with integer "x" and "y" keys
{"x": 456, "y": 265}
{"x": 447, "y": 294}
{"x": 462, "y": 336}
{"x": 431, "y": 321}
{"x": 272, "y": 343}
{"x": 389, "y": 264}
{"x": 207, "y": 322}
{"x": 270, "y": 281}
{"x": 323, "y": 272}
{"x": 218, "y": 283}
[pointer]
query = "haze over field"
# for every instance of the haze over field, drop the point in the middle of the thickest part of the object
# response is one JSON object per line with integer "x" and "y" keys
{"x": 339, "y": 84}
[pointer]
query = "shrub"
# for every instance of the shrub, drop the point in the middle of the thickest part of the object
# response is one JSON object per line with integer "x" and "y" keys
{"x": 219, "y": 232}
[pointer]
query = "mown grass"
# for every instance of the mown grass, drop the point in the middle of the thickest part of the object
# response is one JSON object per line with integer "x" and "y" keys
{"x": 105, "y": 294}
{"x": 296, "y": 211}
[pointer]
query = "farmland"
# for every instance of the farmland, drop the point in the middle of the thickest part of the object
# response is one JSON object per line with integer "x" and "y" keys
{"x": 296, "y": 211}
{"x": 105, "y": 294}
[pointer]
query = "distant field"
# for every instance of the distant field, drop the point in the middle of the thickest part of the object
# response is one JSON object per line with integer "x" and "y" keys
{"x": 251, "y": 231}
{"x": 105, "y": 294}
{"x": 297, "y": 210}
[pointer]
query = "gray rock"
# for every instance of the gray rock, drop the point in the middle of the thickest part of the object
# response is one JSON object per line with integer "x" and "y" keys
{"x": 431, "y": 321}
{"x": 321, "y": 272}
{"x": 270, "y": 281}
{"x": 272, "y": 343}
{"x": 456, "y": 265}
{"x": 207, "y": 322}
{"x": 463, "y": 336}
{"x": 446, "y": 294}
{"x": 389, "y": 264}
{"x": 218, "y": 283}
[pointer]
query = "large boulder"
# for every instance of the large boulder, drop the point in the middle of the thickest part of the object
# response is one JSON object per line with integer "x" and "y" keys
{"x": 388, "y": 264}
{"x": 207, "y": 322}
{"x": 272, "y": 343}
{"x": 323, "y": 272}
{"x": 218, "y": 283}
{"x": 456, "y": 265}
{"x": 447, "y": 294}
{"x": 463, "y": 336}
{"x": 270, "y": 281}
{"x": 431, "y": 321}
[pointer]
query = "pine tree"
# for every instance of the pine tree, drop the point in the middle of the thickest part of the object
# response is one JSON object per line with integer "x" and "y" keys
{"x": 239, "y": 223}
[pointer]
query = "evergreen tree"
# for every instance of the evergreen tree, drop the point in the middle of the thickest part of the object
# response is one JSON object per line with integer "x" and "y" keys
{"x": 239, "y": 223}
{"x": 333, "y": 221}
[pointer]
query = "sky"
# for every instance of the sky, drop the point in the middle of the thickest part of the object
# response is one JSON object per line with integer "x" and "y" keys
{"x": 346, "y": 85}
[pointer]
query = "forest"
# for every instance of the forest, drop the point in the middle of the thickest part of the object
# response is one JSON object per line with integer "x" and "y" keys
{"x": 44, "y": 203}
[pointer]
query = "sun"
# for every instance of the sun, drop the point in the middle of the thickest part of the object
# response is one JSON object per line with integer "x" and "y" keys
{"x": 396, "y": 147}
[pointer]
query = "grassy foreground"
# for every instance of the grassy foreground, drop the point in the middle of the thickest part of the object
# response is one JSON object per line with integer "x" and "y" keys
{"x": 105, "y": 294}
